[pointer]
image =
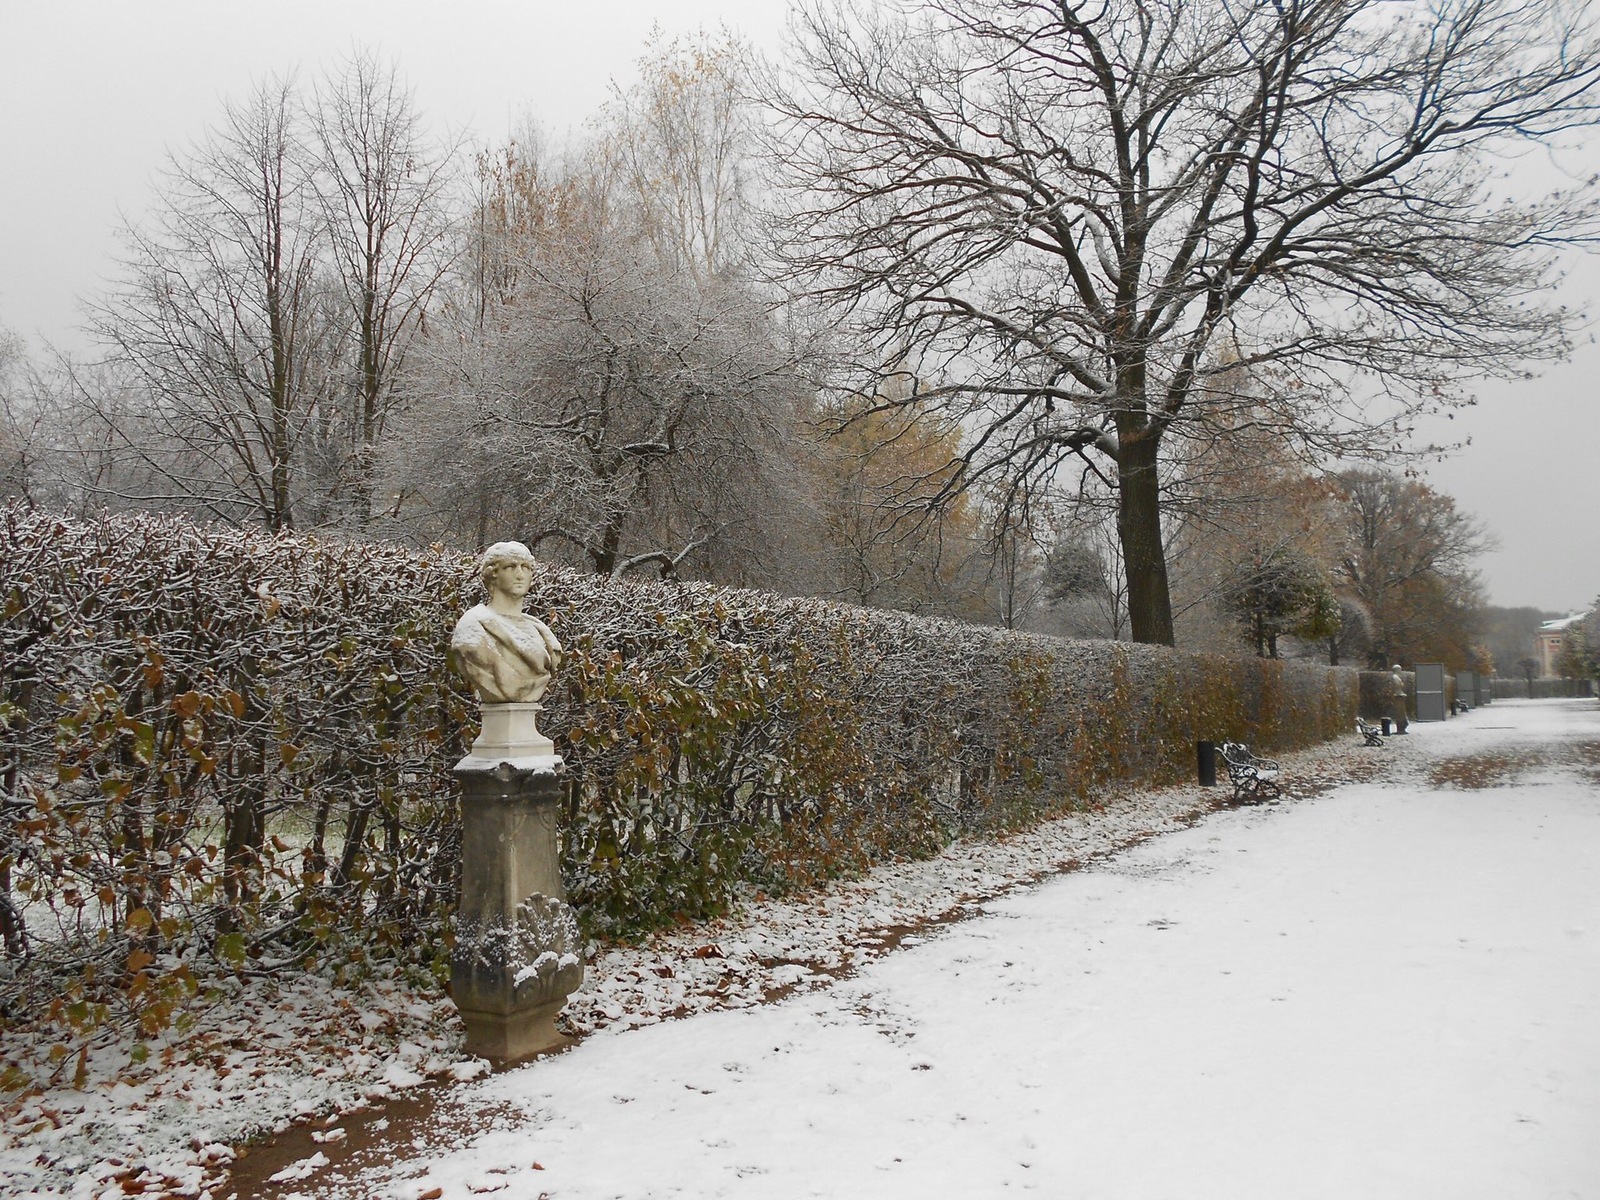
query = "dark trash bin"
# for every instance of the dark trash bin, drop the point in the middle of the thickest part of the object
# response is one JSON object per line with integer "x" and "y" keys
{"x": 1206, "y": 752}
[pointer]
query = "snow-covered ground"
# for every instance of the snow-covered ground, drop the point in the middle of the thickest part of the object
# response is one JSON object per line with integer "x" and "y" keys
{"x": 1387, "y": 988}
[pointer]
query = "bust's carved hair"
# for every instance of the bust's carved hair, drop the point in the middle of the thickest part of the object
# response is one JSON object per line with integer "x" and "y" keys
{"x": 501, "y": 554}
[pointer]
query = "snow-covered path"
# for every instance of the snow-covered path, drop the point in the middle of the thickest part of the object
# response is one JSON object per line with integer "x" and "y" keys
{"x": 1384, "y": 991}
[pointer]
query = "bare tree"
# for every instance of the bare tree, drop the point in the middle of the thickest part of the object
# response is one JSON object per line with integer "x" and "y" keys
{"x": 19, "y": 420}
{"x": 1015, "y": 571}
{"x": 1083, "y": 580}
{"x": 605, "y": 378}
{"x": 1061, "y": 212}
{"x": 1408, "y": 561}
{"x": 384, "y": 193}
{"x": 223, "y": 320}
{"x": 861, "y": 477}
{"x": 615, "y": 405}
{"x": 684, "y": 138}
{"x": 1252, "y": 533}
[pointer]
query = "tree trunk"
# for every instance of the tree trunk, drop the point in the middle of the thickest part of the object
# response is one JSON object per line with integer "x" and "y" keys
{"x": 605, "y": 553}
{"x": 244, "y": 819}
{"x": 244, "y": 836}
{"x": 1139, "y": 530}
{"x": 371, "y": 394}
{"x": 13, "y": 926}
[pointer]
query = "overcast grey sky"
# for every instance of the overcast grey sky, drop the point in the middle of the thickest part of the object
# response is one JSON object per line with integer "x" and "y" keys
{"x": 94, "y": 92}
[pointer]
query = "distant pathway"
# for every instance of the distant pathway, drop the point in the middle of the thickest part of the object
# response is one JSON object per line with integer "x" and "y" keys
{"x": 1388, "y": 990}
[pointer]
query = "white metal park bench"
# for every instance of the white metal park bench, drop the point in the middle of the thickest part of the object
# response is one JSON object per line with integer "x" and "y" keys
{"x": 1255, "y": 779}
{"x": 1371, "y": 735}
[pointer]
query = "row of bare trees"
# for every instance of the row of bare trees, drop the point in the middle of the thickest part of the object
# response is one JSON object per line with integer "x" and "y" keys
{"x": 261, "y": 327}
{"x": 1060, "y": 315}
{"x": 333, "y": 320}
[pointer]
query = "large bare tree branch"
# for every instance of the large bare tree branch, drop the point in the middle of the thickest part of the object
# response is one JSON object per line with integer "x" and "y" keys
{"x": 1138, "y": 197}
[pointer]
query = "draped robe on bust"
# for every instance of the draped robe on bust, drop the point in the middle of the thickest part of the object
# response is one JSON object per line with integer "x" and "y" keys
{"x": 508, "y": 659}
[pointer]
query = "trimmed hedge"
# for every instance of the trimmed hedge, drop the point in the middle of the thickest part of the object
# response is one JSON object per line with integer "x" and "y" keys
{"x": 227, "y": 748}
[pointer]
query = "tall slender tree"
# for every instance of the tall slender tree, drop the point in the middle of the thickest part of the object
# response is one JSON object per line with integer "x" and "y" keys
{"x": 223, "y": 321}
{"x": 683, "y": 138}
{"x": 384, "y": 190}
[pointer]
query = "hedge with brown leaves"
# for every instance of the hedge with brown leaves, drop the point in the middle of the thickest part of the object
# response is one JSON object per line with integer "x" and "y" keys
{"x": 224, "y": 750}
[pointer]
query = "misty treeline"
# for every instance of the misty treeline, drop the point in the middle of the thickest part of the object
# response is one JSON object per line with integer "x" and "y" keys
{"x": 1104, "y": 320}
{"x": 333, "y": 319}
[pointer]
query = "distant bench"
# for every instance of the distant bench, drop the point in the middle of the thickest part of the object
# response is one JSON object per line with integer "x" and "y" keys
{"x": 1371, "y": 735}
{"x": 1253, "y": 778}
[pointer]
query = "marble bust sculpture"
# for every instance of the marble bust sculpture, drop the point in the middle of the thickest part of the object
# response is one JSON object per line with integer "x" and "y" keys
{"x": 506, "y": 654}
{"x": 518, "y": 951}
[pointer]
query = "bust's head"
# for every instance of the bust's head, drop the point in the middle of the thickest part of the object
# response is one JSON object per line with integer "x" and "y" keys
{"x": 500, "y": 556}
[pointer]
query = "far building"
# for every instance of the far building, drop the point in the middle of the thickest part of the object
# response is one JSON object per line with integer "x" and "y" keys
{"x": 1548, "y": 641}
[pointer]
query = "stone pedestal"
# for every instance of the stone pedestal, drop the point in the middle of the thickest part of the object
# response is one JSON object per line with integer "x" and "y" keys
{"x": 518, "y": 951}
{"x": 511, "y": 734}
